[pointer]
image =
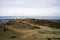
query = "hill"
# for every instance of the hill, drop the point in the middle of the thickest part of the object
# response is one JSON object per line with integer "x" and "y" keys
{"x": 29, "y": 29}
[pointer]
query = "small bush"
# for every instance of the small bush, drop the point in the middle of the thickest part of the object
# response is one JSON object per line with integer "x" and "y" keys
{"x": 35, "y": 27}
{"x": 5, "y": 29}
{"x": 0, "y": 34}
{"x": 13, "y": 36}
{"x": 49, "y": 38}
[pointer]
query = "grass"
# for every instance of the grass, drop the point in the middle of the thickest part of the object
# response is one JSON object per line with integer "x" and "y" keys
{"x": 29, "y": 31}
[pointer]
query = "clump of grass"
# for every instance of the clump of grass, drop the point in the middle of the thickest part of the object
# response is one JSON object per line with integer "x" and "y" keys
{"x": 49, "y": 32}
{"x": 13, "y": 36}
{"x": 35, "y": 27}
{"x": 42, "y": 31}
{"x": 0, "y": 34}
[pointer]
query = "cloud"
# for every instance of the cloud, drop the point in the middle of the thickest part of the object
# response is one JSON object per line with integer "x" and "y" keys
{"x": 20, "y": 11}
{"x": 29, "y": 8}
{"x": 30, "y": 3}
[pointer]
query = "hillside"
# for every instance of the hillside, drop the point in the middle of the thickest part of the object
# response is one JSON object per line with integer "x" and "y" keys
{"x": 29, "y": 29}
{"x": 44, "y": 22}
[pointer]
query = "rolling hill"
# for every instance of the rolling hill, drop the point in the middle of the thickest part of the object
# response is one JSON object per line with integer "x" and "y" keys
{"x": 29, "y": 29}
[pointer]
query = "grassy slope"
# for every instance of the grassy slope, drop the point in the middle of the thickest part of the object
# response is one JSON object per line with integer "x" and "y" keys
{"x": 28, "y": 33}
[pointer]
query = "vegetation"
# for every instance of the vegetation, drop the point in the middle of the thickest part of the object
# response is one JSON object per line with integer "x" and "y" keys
{"x": 13, "y": 36}
{"x": 45, "y": 23}
{"x": 34, "y": 27}
{"x": 29, "y": 29}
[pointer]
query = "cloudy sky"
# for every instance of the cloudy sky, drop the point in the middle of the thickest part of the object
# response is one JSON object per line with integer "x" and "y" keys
{"x": 29, "y": 7}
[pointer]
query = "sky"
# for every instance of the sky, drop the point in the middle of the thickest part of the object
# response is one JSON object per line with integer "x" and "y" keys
{"x": 29, "y": 7}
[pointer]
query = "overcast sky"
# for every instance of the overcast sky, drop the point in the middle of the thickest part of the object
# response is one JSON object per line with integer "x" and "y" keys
{"x": 29, "y": 7}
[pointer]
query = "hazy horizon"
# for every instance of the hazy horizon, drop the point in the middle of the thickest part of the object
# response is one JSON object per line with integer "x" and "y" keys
{"x": 37, "y": 17}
